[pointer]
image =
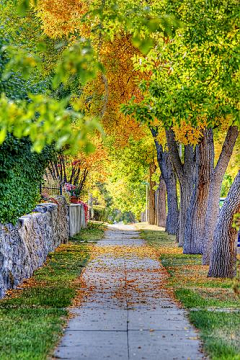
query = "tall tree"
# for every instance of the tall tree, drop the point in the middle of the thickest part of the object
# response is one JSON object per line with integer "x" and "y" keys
{"x": 169, "y": 177}
{"x": 223, "y": 256}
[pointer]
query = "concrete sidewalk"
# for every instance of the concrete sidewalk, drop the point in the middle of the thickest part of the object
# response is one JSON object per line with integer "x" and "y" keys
{"x": 124, "y": 311}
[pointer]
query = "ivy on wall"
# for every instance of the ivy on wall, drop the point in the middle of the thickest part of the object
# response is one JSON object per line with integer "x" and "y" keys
{"x": 21, "y": 172}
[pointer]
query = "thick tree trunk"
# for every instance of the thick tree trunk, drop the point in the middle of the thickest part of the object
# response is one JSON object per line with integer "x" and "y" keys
{"x": 211, "y": 217}
{"x": 168, "y": 174}
{"x": 186, "y": 173}
{"x": 152, "y": 216}
{"x": 215, "y": 190}
{"x": 186, "y": 188}
{"x": 160, "y": 203}
{"x": 172, "y": 205}
{"x": 223, "y": 257}
{"x": 195, "y": 221}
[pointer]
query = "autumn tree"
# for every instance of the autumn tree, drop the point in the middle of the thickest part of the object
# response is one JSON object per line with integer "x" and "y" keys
{"x": 189, "y": 86}
{"x": 193, "y": 92}
{"x": 224, "y": 254}
{"x": 128, "y": 174}
{"x": 44, "y": 118}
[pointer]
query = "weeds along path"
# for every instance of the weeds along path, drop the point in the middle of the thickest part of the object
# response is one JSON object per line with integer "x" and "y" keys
{"x": 123, "y": 310}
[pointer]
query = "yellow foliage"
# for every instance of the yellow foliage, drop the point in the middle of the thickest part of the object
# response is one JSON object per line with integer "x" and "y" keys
{"x": 186, "y": 133}
{"x": 62, "y": 17}
{"x": 122, "y": 84}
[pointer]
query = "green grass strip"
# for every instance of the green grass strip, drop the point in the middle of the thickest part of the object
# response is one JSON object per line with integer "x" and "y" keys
{"x": 209, "y": 301}
{"x": 32, "y": 318}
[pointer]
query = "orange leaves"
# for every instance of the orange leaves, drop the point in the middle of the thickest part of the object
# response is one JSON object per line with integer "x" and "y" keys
{"x": 123, "y": 80}
{"x": 122, "y": 274}
{"x": 61, "y": 17}
{"x": 124, "y": 252}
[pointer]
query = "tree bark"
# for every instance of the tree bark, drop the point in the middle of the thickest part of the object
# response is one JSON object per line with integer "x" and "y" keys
{"x": 172, "y": 205}
{"x": 223, "y": 257}
{"x": 152, "y": 216}
{"x": 160, "y": 203}
{"x": 169, "y": 177}
{"x": 186, "y": 175}
{"x": 195, "y": 221}
{"x": 215, "y": 190}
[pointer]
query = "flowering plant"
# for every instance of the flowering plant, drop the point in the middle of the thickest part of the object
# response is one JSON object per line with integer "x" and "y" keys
{"x": 85, "y": 207}
{"x": 71, "y": 189}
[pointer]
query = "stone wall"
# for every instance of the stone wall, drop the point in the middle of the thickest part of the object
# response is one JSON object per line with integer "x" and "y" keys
{"x": 76, "y": 218}
{"x": 25, "y": 246}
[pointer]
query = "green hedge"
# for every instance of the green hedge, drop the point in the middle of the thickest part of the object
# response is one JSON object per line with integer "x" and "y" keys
{"x": 21, "y": 172}
{"x": 100, "y": 213}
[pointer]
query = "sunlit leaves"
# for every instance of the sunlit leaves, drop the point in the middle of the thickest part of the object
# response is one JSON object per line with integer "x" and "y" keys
{"x": 42, "y": 118}
{"x": 23, "y": 6}
{"x": 195, "y": 74}
{"x": 144, "y": 45}
{"x": 77, "y": 60}
{"x": 46, "y": 121}
{"x": 20, "y": 61}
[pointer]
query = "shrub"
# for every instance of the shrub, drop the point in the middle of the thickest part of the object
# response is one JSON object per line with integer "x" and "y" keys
{"x": 100, "y": 213}
{"x": 21, "y": 172}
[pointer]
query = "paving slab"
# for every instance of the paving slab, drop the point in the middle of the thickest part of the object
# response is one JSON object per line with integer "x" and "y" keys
{"x": 93, "y": 345}
{"x": 155, "y": 320}
{"x": 124, "y": 311}
{"x": 98, "y": 320}
{"x": 164, "y": 345}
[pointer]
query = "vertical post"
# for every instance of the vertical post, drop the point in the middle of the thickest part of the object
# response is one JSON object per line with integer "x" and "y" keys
{"x": 90, "y": 206}
{"x": 146, "y": 202}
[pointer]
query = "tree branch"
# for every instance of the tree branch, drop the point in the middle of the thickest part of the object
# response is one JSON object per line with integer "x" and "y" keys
{"x": 227, "y": 150}
{"x": 174, "y": 154}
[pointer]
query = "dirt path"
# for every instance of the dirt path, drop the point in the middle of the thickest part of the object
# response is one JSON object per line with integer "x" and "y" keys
{"x": 123, "y": 310}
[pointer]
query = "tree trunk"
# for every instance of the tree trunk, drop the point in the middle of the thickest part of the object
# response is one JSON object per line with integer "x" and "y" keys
{"x": 186, "y": 189}
{"x": 195, "y": 221}
{"x": 151, "y": 216}
{"x": 215, "y": 190}
{"x": 223, "y": 257}
{"x": 160, "y": 203}
{"x": 172, "y": 205}
{"x": 169, "y": 177}
{"x": 186, "y": 173}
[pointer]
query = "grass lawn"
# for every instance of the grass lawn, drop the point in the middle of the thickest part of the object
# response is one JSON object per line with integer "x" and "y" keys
{"x": 91, "y": 234}
{"x": 32, "y": 317}
{"x": 214, "y": 307}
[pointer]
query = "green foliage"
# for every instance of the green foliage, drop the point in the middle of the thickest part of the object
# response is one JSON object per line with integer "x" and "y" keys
{"x": 21, "y": 172}
{"x": 79, "y": 60}
{"x": 93, "y": 232}
{"x": 195, "y": 74}
{"x": 30, "y": 107}
{"x": 129, "y": 167}
{"x": 142, "y": 21}
{"x": 227, "y": 182}
{"x": 12, "y": 82}
{"x": 100, "y": 213}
